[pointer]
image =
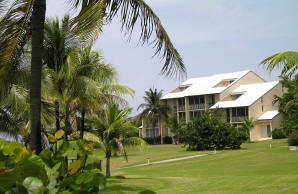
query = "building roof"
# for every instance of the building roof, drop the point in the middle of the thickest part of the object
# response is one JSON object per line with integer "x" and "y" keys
{"x": 268, "y": 115}
{"x": 205, "y": 85}
{"x": 249, "y": 94}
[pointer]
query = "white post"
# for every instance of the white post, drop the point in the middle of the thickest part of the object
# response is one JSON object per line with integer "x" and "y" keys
{"x": 270, "y": 146}
{"x": 215, "y": 150}
{"x": 148, "y": 161}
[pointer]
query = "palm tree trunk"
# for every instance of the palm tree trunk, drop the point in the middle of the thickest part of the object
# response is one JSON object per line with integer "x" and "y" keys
{"x": 38, "y": 19}
{"x": 161, "y": 135}
{"x": 57, "y": 116}
{"x": 82, "y": 123}
{"x": 108, "y": 169}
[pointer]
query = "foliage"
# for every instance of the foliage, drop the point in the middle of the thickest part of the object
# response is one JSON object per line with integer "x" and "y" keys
{"x": 278, "y": 134}
{"x": 206, "y": 132}
{"x": 22, "y": 171}
{"x": 248, "y": 124}
{"x": 167, "y": 140}
{"x": 293, "y": 139}
{"x": 287, "y": 60}
{"x": 152, "y": 140}
{"x": 288, "y": 104}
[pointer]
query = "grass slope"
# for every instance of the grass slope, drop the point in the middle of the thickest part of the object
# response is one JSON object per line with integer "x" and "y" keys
{"x": 254, "y": 169}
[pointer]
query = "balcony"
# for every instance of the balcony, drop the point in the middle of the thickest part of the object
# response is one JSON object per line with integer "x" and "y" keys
{"x": 196, "y": 106}
{"x": 181, "y": 108}
{"x": 238, "y": 118}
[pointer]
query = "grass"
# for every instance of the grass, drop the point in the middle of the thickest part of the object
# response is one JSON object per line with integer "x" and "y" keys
{"x": 253, "y": 169}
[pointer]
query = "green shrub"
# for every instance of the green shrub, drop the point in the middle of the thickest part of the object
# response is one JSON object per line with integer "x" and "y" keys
{"x": 152, "y": 140}
{"x": 24, "y": 172}
{"x": 167, "y": 140}
{"x": 293, "y": 139}
{"x": 206, "y": 132}
{"x": 278, "y": 134}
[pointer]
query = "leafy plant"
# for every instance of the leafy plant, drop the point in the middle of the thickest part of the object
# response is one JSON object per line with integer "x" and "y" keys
{"x": 278, "y": 134}
{"x": 24, "y": 172}
{"x": 206, "y": 132}
{"x": 293, "y": 139}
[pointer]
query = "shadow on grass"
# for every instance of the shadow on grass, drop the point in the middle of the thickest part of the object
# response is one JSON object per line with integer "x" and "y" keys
{"x": 116, "y": 185}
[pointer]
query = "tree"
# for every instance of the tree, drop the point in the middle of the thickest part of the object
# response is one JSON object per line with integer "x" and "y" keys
{"x": 113, "y": 129}
{"x": 248, "y": 124}
{"x": 287, "y": 61}
{"x": 92, "y": 13}
{"x": 153, "y": 110}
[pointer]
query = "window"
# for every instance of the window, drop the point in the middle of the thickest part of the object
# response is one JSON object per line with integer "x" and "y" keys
{"x": 266, "y": 131}
{"x": 152, "y": 132}
{"x": 181, "y": 115}
{"x": 239, "y": 113}
{"x": 235, "y": 96}
{"x": 194, "y": 114}
{"x": 224, "y": 83}
{"x": 181, "y": 104}
{"x": 196, "y": 102}
{"x": 262, "y": 108}
{"x": 211, "y": 99}
{"x": 228, "y": 115}
{"x": 262, "y": 99}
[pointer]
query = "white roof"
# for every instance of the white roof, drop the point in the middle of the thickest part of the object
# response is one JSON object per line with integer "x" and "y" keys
{"x": 250, "y": 93}
{"x": 205, "y": 85}
{"x": 268, "y": 115}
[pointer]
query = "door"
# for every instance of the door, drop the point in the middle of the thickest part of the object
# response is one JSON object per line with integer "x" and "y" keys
{"x": 266, "y": 131}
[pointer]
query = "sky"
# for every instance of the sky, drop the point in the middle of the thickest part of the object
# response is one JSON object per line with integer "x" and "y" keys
{"x": 212, "y": 36}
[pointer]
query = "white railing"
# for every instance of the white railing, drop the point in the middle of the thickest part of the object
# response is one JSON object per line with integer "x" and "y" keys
{"x": 238, "y": 118}
{"x": 181, "y": 108}
{"x": 196, "y": 106}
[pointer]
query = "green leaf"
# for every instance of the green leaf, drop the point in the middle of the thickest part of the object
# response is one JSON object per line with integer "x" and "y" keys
{"x": 33, "y": 185}
{"x": 88, "y": 147}
{"x": 74, "y": 167}
{"x": 85, "y": 177}
{"x": 59, "y": 134}
{"x": 51, "y": 138}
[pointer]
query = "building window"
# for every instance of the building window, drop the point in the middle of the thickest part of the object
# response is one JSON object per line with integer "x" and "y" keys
{"x": 196, "y": 102}
{"x": 224, "y": 83}
{"x": 181, "y": 115}
{"x": 181, "y": 104}
{"x": 152, "y": 132}
{"x": 228, "y": 115}
{"x": 262, "y": 99}
{"x": 262, "y": 108}
{"x": 211, "y": 99}
{"x": 235, "y": 96}
{"x": 266, "y": 131}
{"x": 239, "y": 113}
{"x": 194, "y": 114}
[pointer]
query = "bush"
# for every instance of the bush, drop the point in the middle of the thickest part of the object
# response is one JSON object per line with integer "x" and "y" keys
{"x": 293, "y": 139}
{"x": 206, "y": 133}
{"x": 278, "y": 134}
{"x": 167, "y": 140}
{"x": 152, "y": 140}
{"x": 24, "y": 172}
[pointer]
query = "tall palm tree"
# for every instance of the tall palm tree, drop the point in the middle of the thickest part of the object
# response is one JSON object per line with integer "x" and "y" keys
{"x": 92, "y": 84}
{"x": 93, "y": 12}
{"x": 153, "y": 110}
{"x": 112, "y": 127}
{"x": 287, "y": 61}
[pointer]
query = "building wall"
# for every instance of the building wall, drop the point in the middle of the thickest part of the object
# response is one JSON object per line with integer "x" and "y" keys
{"x": 249, "y": 78}
{"x": 256, "y": 110}
{"x": 256, "y": 132}
{"x": 276, "y": 121}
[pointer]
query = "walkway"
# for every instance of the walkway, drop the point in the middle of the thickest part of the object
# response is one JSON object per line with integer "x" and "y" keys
{"x": 166, "y": 161}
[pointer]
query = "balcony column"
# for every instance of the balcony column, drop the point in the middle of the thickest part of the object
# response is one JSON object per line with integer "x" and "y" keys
{"x": 206, "y": 103}
{"x": 187, "y": 118}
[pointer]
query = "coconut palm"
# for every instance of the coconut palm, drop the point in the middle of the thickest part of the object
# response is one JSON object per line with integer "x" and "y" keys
{"x": 248, "y": 124}
{"x": 287, "y": 61}
{"x": 153, "y": 110}
{"x": 112, "y": 127}
{"x": 92, "y": 84}
{"x": 90, "y": 20}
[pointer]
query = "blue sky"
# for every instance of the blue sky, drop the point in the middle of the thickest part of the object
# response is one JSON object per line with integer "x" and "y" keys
{"x": 213, "y": 36}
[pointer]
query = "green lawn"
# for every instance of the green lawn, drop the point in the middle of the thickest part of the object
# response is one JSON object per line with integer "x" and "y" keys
{"x": 254, "y": 169}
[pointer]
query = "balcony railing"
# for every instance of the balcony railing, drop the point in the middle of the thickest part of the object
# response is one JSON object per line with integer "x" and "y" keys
{"x": 181, "y": 108}
{"x": 238, "y": 118}
{"x": 175, "y": 108}
{"x": 196, "y": 106}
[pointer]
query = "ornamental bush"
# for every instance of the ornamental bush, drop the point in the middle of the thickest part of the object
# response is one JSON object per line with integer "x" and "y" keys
{"x": 293, "y": 139}
{"x": 206, "y": 133}
{"x": 278, "y": 134}
{"x": 21, "y": 171}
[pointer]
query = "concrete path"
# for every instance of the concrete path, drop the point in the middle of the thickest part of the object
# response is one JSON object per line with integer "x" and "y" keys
{"x": 165, "y": 161}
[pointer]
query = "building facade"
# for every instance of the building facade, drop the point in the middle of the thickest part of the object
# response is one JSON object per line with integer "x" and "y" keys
{"x": 238, "y": 95}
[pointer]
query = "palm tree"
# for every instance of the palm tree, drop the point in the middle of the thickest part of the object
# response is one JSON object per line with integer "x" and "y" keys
{"x": 112, "y": 128}
{"x": 92, "y": 84}
{"x": 90, "y": 20}
{"x": 154, "y": 111}
{"x": 287, "y": 61}
{"x": 248, "y": 124}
